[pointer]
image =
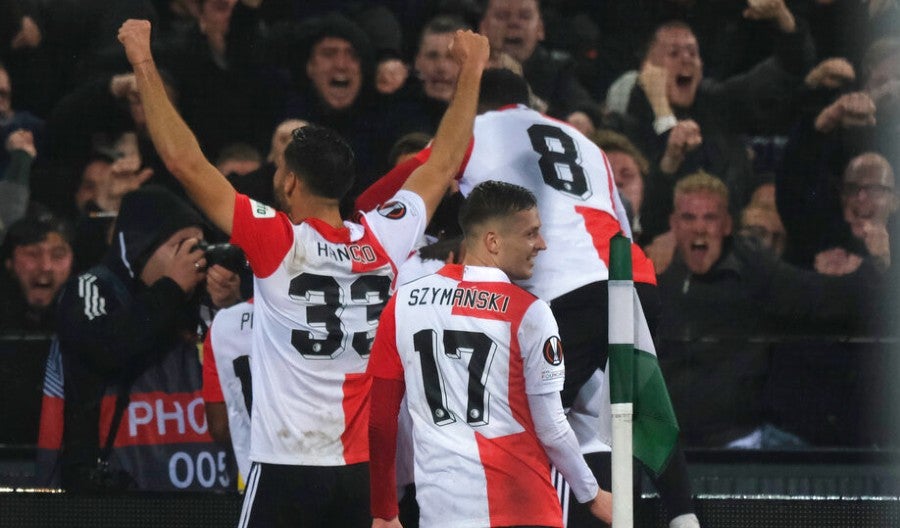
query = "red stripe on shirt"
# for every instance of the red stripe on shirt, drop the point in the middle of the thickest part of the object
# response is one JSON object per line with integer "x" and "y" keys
{"x": 602, "y": 226}
{"x": 519, "y": 491}
{"x": 265, "y": 241}
{"x": 212, "y": 388}
{"x": 355, "y": 437}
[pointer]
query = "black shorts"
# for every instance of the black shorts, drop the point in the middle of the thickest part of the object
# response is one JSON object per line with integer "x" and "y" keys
{"x": 583, "y": 319}
{"x": 306, "y": 497}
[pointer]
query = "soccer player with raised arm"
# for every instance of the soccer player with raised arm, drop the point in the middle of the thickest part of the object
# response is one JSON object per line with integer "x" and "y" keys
{"x": 320, "y": 284}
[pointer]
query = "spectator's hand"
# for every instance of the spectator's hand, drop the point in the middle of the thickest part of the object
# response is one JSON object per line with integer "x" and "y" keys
{"x": 187, "y": 266}
{"x": 601, "y": 506}
{"x": 135, "y": 37}
{"x": 878, "y": 243}
{"x": 29, "y": 36}
{"x": 126, "y": 175}
{"x": 470, "y": 48}
{"x": 661, "y": 251}
{"x": 23, "y": 140}
{"x": 836, "y": 261}
{"x": 381, "y": 523}
{"x": 223, "y": 285}
{"x": 771, "y": 10}
{"x": 831, "y": 73}
{"x": 683, "y": 138}
{"x": 652, "y": 79}
{"x": 390, "y": 75}
{"x": 855, "y": 109}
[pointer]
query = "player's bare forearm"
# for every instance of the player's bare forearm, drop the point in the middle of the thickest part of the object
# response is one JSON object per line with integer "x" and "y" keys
{"x": 174, "y": 141}
{"x": 454, "y": 133}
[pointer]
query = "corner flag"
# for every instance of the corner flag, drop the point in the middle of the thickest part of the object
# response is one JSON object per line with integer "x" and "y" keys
{"x": 633, "y": 370}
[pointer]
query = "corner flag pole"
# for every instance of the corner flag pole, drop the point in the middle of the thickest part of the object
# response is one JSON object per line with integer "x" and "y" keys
{"x": 621, "y": 377}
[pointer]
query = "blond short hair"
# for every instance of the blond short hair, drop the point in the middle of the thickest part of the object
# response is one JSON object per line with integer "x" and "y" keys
{"x": 701, "y": 181}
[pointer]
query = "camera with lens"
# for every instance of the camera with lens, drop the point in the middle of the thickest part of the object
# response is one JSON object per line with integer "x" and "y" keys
{"x": 226, "y": 255}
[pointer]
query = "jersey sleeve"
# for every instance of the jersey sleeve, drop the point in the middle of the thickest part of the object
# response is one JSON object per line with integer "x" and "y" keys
{"x": 398, "y": 224}
{"x": 212, "y": 389}
{"x": 263, "y": 233}
{"x": 384, "y": 361}
{"x": 541, "y": 349}
{"x": 388, "y": 185}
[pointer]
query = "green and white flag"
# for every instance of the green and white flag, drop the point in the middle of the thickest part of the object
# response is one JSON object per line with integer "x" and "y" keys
{"x": 633, "y": 373}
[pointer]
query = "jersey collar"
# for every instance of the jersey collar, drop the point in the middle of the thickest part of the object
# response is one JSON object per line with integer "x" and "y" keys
{"x": 337, "y": 235}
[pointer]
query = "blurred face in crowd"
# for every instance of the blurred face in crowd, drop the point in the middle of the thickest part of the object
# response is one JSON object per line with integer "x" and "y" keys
{"x": 883, "y": 85}
{"x": 676, "y": 50}
{"x": 240, "y": 167}
{"x": 700, "y": 224}
{"x": 5, "y": 94}
{"x": 629, "y": 179}
{"x": 215, "y": 16}
{"x": 519, "y": 241}
{"x": 282, "y": 137}
{"x": 158, "y": 263}
{"x": 513, "y": 26}
{"x": 436, "y": 67}
{"x": 95, "y": 176}
{"x": 335, "y": 71}
{"x": 765, "y": 225}
{"x": 41, "y": 269}
{"x": 884, "y": 72}
{"x": 868, "y": 195}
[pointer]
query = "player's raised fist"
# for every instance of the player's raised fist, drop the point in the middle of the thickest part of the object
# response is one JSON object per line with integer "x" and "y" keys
{"x": 135, "y": 37}
{"x": 470, "y": 47}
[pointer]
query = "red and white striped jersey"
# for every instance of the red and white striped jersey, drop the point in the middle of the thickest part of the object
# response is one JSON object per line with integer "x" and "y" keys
{"x": 576, "y": 194}
{"x": 318, "y": 294}
{"x": 470, "y": 346}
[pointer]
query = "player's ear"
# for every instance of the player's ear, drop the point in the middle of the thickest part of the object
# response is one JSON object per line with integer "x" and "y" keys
{"x": 491, "y": 241}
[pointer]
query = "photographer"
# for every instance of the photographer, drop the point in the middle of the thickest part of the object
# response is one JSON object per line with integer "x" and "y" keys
{"x": 127, "y": 337}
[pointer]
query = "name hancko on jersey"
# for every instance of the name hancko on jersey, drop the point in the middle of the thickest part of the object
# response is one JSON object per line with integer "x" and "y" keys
{"x": 364, "y": 254}
{"x": 459, "y": 297}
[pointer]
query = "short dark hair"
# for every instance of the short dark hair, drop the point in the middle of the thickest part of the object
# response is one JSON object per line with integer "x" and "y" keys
{"x": 333, "y": 24}
{"x": 668, "y": 24}
{"x": 408, "y": 144}
{"x": 322, "y": 159}
{"x": 494, "y": 199}
{"x": 33, "y": 228}
{"x": 500, "y": 87}
{"x": 443, "y": 23}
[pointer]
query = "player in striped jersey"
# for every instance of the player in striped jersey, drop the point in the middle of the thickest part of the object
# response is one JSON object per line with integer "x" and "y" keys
{"x": 483, "y": 366}
{"x": 319, "y": 286}
{"x": 580, "y": 210}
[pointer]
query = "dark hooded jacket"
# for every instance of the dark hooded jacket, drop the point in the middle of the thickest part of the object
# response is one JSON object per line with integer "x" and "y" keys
{"x": 117, "y": 334}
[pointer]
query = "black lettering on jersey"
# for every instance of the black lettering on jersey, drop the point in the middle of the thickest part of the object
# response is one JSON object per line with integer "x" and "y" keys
{"x": 477, "y": 299}
{"x": 446, "y": 296}
{"x": 553, "y": 351}
{"x": 413, "y": 297}
{"x": 246, "y": 318}
{"x": 363, "y": 254}
{"x": 392, "y": 210}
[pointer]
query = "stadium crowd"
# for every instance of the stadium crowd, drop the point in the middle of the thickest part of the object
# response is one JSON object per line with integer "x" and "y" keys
{"x": 753, "y": 146}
